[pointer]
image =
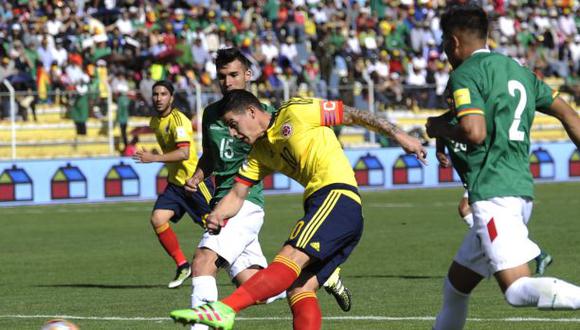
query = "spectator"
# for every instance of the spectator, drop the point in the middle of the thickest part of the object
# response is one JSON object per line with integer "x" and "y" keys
{"x": 79, "y": 111}
{"x": 122, "y": 117}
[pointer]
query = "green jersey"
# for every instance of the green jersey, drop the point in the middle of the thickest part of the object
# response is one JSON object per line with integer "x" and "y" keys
{"x": 507, "y": 94}
{"x": 457, "y": 150}
{"x": 226, "y": 154}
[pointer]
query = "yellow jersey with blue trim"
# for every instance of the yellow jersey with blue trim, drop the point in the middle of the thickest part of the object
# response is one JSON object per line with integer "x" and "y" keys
{"x": 172, "y": 132}
{"x": 300, "y": 144}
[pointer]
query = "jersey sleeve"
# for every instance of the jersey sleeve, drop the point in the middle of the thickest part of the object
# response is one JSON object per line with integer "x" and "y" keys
{"x": 182, "y": 131}
{"x": 465, "y": 94}
{"x": 205, "y": 143}
{"x": 322, "y": 113}
{"x": 545, "y": 95}
{"x": 252, "y": 171}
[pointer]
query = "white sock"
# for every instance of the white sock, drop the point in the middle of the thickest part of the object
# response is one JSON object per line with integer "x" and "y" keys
{"x": 453, "y": 313}
{"x": 278, "y": 297}
{"x": 204, "y": 290}
{"x": 468, "y": 220}
{"x": 543, "y": 292}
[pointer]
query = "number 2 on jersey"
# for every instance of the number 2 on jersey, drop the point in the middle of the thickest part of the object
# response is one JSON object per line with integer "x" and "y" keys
{"x": 513, "y": 85}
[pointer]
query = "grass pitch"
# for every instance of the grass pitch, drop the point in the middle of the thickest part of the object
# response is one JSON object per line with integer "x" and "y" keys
{"x": 100, "y": 265}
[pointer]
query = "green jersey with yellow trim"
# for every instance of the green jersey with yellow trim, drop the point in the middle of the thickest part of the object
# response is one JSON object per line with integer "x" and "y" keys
{"x": 226, "y": 153}
{"x": 507, "y": 94}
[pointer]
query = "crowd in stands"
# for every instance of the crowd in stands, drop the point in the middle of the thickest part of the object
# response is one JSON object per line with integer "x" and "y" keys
{"x": 64, "y": 51}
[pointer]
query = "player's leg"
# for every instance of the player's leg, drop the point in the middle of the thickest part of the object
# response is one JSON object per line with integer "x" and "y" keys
{"x": 250, "y": 262}
{"x": 306, "y": 313}
{"x": 204, "y": 289}
{"x": 457, "y": 287}
{"x": 504, "y": 236}
{"x": 165, "y": 210}
{"x": 469, "y": 267}
{"x": 333, "y": 220}
{"x": 160, "y": 220}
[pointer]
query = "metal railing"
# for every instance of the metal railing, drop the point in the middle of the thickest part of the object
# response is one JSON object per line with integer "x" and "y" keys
{"x": 360, "y": 95}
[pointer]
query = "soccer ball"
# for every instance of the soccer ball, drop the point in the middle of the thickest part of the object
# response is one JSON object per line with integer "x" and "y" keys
{"x": 59, "y": 324}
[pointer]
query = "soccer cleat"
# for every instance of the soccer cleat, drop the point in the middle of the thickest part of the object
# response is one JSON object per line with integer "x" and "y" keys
{"x": 335, "y": 287}
{"x": 216, "y": 315}
{"x": 542, "y": 262}
{"x": 183, "y": 273}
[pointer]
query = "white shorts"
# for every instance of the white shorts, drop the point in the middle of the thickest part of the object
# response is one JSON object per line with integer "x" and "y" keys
{"x": 237, "y": 241}
{"x": 498, "y": 239}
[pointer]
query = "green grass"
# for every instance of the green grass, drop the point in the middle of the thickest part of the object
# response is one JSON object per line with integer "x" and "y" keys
{"x": 104, "y": 261}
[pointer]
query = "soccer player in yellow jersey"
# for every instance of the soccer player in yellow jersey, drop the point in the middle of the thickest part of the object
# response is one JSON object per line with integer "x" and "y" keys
{"x": 174, "y": 134}
{"x": 296, "y": 141}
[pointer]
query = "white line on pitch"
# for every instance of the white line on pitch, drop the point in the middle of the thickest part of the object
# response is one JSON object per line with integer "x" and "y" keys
{"x": 330, "y": 318}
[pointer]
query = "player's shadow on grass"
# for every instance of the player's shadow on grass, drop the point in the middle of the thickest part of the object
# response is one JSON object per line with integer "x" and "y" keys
{"x": 100, "y": 286}
{"x": 405, "y": 277}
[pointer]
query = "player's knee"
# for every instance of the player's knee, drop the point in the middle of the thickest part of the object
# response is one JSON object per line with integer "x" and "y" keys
{"x": 205, "y": 263}
{"x": 516, "y": 295}
{"x": 157, "y": 220}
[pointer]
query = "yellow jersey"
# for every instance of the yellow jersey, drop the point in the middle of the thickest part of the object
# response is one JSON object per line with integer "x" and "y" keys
{"x": 299, "y": 144}
{"x": 172, "y": 132}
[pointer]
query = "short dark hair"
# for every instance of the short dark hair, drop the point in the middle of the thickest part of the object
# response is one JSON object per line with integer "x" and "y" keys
{"x": 237, "y": 101}
{"x": 471, "y": 18}
{"x": 228, "y": 55}
{"x": 165, "y": 83}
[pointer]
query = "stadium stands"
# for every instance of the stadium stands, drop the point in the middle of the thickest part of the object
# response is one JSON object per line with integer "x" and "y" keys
{"x": 328, "y": 49}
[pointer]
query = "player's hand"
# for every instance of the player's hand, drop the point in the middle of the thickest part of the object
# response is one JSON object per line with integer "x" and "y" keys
{"x": 436, "y": 127}
{"x": 412, "y": 145}
{"x": 144, "y": 156}
{"x": 192, "y": 183}
{"x": 214, "y": 223}
{"x": 443, "y": 159}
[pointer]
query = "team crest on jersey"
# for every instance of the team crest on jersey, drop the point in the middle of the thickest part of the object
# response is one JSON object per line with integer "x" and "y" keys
{"x": 287, "y": 130}
{"x": 167, "y": 129}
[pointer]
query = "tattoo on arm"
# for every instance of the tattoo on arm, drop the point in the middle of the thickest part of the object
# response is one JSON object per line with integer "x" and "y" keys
{"x": 353, "y": 116}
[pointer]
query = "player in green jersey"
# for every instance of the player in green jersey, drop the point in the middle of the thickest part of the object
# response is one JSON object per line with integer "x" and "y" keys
{"x": 457, "y": 154}
{"x": 237, "y": 246}
{"x": 495, "y": 101}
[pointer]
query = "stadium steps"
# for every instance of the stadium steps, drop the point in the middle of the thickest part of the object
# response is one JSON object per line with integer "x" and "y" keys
{"x": 55, "y": 137}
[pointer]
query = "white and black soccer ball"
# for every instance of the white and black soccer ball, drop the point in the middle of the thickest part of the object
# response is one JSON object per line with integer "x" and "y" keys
{"x": 59, "y": 324}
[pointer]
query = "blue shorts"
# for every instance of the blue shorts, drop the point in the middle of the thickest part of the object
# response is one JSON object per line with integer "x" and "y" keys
{"x": 330, "y": 229}
{"x": 181, "y": 201}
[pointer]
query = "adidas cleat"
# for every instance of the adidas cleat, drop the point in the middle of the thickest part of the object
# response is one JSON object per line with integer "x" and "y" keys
{"x": 216, "y": 315}
{"x": 336, "y": 288}
{"x": 542, "y": 262}
{"x": 183, "y": 273}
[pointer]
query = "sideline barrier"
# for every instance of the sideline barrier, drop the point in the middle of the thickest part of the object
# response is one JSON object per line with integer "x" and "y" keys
{"x": 33, "y": 182}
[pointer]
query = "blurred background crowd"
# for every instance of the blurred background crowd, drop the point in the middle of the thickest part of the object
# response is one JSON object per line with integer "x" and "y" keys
{"x": 67, "y": 51}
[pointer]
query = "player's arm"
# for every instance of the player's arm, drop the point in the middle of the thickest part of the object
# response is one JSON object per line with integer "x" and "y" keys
{"x": 471, "y": 129}
{"x": 227, "y": 207}
{"x": 567, "y": 116}
{"x": 177, "y": 155}
{"x": 203, "y": 170}
{"x": 353, "y": 116}
{"x": 440, "y": 153}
